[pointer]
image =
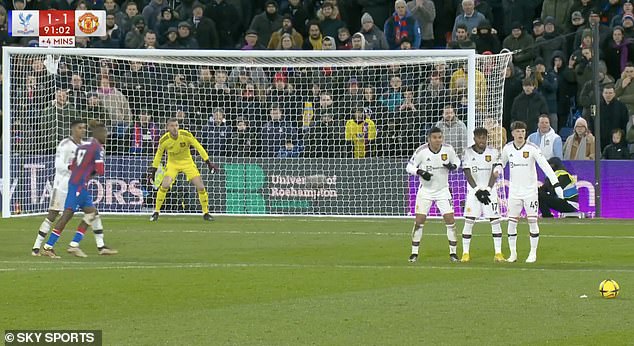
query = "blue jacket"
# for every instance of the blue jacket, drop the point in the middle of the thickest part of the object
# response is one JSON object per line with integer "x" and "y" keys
{"x": 412, "y": 28}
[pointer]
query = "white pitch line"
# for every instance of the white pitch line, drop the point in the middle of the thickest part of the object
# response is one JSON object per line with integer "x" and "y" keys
{"x": 146, "y": 265}
{"x": 384, "y": 234}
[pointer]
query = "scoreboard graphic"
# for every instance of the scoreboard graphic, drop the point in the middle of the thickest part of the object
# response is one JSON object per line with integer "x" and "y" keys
{"x": 55, "y": 28}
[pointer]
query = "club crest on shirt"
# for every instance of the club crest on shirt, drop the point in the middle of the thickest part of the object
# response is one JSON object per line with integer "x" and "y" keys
{"x": 525, "y": 154}
{"x": 183, "y": 144}
{"x": 443, "y": 157}
{"x": 487, "y": 158}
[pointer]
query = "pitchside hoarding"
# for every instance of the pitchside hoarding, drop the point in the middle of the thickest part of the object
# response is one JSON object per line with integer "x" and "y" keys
{"x": 293, "y": 186}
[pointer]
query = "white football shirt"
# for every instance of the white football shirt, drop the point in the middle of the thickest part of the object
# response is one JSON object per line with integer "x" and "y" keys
{"x": 523, "y": 182}
{"x": 433, "y": 162}
{"x": 480, "y": 164}
{"x": 63, "y": 157}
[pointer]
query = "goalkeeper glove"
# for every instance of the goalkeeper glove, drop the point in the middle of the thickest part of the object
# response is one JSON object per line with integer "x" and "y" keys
{"x": 212, "y": 168}
{"x": 483, "y": 195}
{"x": 450, "y": 166}
{"x": 560, "y": 192}
{"x": 151, "y": 172}
{"x": 424, "y": 174}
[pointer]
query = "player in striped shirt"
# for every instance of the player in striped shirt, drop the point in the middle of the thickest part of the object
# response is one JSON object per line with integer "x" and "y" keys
{"x": 88, "y": 161}
{"x": 63, "y": 158}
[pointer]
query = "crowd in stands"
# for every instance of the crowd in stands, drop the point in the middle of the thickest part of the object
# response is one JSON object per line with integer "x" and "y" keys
{"x": 339, "y": 112}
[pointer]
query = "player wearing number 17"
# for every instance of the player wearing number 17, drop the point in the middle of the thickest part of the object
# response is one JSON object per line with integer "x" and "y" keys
{"x": 177, "y": 143}
{"x": 521, "y": 157}
{"x": 432, "y": 162}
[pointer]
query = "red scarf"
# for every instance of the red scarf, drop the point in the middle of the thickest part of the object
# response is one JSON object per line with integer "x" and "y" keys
{"x": 400, "y": 28}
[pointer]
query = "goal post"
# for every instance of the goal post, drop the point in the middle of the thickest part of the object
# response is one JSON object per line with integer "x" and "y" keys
{"x": 324, "y": 133}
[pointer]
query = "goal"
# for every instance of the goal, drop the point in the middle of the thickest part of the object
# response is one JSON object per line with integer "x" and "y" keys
{"x": 324, "y": 133}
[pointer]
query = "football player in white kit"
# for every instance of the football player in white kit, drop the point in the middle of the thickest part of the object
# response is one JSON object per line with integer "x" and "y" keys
{"x": 521, "y": 156}
{"x": 480, "y": 165}
{"x": 64, "y": 154}
{"x": 432, "y": 163}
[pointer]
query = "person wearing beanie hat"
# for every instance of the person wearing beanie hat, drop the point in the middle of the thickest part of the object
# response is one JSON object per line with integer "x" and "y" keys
{"x": 580, "y": 144}
{"x": 374, "y": 37}
{"x": 558, "y": 10}
{"x": 628, "y": 8}
{"x": 204, "y": 29}
{"x": 134, "y": 38}
{"x": 425, "y": 14}
{"x": 486, "y": 39}
{"x": 287, "y": 28}
{"x": 171, "y": 39}
{"x": 267, "y": 22}
{"x": 519, "y": 42}
{"x": 167, "y": 21}
{"x": 186, "y": 37}
{"x": 550, "y": 41}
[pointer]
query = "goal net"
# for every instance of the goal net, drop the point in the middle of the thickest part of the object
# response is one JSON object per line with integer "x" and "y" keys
{"x": 295, "y": 133}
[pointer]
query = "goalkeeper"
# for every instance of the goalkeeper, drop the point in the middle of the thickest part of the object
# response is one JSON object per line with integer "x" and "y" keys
{"x": 179, "y": 159}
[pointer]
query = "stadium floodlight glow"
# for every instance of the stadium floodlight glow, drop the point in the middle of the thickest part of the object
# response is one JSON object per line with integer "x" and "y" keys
{"x": 317, "y": 161}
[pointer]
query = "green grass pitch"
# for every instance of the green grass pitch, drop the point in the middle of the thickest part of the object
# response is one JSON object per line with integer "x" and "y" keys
{"x": 314, "y": 281}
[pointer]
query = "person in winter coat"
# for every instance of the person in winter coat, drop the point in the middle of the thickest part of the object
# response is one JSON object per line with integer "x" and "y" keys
{"x": 624, "y": 88}
{"x": 425, "y": 12}
{"x": 547, "y": 86}
{"x": 617, "y": 52}
{"x": 580, "y": 144}
{"x": 400, "y": 25}
{"x": 559, "y": 10}
{"x": 486, "y": 39}
{"x": 613, "y": 116}
{"x": 267, "y": 22}
{"x": 519, "y": 41}
{"x": 528, "y": 106}
{"x": 373, "y": 35}
{"x": 550, "y": 42}
{"x": 618, "y": 149}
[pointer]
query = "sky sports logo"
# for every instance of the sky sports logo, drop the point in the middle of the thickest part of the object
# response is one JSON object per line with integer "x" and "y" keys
{"x": 52, "y": 337}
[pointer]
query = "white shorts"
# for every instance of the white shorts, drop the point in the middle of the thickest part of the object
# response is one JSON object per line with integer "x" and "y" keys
{"x": 530, "y": 205}
{"x": 424, "y": 203}
{"x": 58, "y": 199}
{"x": 475, "y": 208}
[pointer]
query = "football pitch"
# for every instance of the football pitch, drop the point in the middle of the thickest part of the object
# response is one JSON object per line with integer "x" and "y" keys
{"x": 320, "y": 281}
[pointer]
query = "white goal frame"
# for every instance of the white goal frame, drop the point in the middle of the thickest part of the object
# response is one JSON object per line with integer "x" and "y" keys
{"x": 470, "y": 55}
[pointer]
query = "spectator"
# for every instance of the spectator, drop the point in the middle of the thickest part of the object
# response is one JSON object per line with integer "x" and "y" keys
{"x": 617, "y": 52}
{"x": 216, "y": 134}
{"x": 359, "y": 42}
{"x": 547, "y": 198}
{"x": 124, "y": 20}
{"x": 425, "y": 12}
{"x": 205, "y": 31}
{"x": 486, "y": 39}
{"x": 617, "y": 150}
{"x": 610, "y": 9}
{"x": 114, "y": 102}
{"x": 519, "y": 41}
{"x": 287, "y": 28}
{"x": 325, "y": 139}
{"x": 585, "y": 7}
{"x": 144, "y": 135}
{"x": 462, "y": 40}
{"x": 393, "y": 97}
{"x": 453, "y": 129}
{"x": 604, "y": 32}
{"x": 315, "y": 37}
{"x": 580, "y": 144}
{"x": 328, "y": 43}
{"x": 628, "y": 9}
{"x": 78, "y": 94}
{"x": 252, "y": 41}
{"x": 328, "y": 20}
{"x": 402, "y": 25}
{"x": 185, "y": 37}
{"x": 275, "y": 132}
{"x": 497, "y": 133}
{"x": 559, "y": 11}
{"x": 183, "y": 10}
{"x": 134, "y": 38}
{"x": 286, "y": 43}
{"x": 566, "y": 87}
{"x": 113, "y": 31}
{"x": 550, "y": 42}
{"x": 628, "y": 26}
{"x": 298, "y": 15}
{"x": 344, "y": 41}
{"x": 470, "y": 17}
{"x": 613, "y": 115}
{"x": 538, "y": 29}
{"x": 373, "y": 35}
{"x": 512, "y": 88}
{"x": 228, "y": 22}
{"x": 576, "y": 22}
{"x": 150, "y": 40}
{"x": 267, "y": 22}
{"x": 546, "y": 84}
{"x": 586, "y": 97}
{"x": 151, "y": 13}
{"x": 248, "y": 105}
{"x": 624, "y": 88}
{"x": 360, "y": 132}
{"x": 172, "y": 40}
{"x": 61, "y": 113}
{"x": 290, "y": 149}
{"x": 546, "y": 138}
{"x": 242, "y": 143}
{"x": 528, "y": 106}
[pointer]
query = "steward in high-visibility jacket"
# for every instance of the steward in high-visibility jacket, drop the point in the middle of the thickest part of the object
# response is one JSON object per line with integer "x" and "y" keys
{"x": 548, "y": 198}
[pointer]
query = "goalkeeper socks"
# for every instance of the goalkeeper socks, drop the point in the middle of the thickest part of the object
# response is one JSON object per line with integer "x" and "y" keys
{"x": 203, "y": 197}
{"x": 466, "y": 235}
{"x": 53, "y": 238}
{"x": 79, "y": 235}
{"x": 45, "y": 227}
{"x": 160, "y": 198}
{"x": 533, "y": 228}
{"x": 417, "y": 235}
{"x": 496, "y": 230}
{"x": 512, "y": 235}
{"x": 451, "y": 236}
